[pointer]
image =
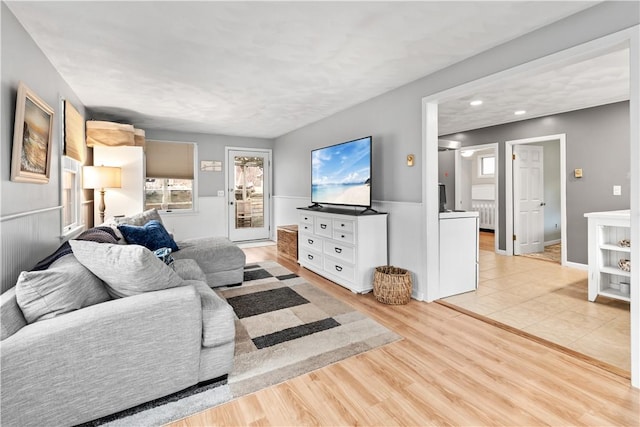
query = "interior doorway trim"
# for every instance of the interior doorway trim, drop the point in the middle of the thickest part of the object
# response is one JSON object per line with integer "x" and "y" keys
{"x": 508, "y": 167}
{"x": 429, "y": 233}
{"x": 496, "y": 181}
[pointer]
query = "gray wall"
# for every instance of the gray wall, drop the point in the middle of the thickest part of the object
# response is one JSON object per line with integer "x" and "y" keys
{"x": 22, "y": 60}
{"x": 210, "y": 147}
{"x": 28, "y": 239}
{"x": 597, "y": 142}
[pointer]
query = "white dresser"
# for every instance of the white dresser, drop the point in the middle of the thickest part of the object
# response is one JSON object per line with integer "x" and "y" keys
{"x": 345, "y": 248}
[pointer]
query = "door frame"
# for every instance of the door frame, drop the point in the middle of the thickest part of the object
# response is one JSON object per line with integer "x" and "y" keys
{"x": 268, "y": 198}
{"x": 429, "y": 286}
{"x": 496, "y": 182}
{"x": 508, "y": 167}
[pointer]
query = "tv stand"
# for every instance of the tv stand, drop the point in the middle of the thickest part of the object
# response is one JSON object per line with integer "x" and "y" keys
{"x": 368, "y": 210}
{"x": 342, "y": 247}
{"x": 315, "y": 206}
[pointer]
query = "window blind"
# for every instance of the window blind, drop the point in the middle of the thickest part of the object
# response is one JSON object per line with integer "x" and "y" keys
{"x": 74, "y": 133}
{"x": 169, "y": 160}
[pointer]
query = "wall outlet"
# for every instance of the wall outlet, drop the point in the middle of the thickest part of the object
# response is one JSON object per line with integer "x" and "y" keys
{"x": 617, "y": 190}
{"x": 220, "y": 193}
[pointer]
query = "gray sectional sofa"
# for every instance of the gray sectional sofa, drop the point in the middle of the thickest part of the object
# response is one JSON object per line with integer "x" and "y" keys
{"x": 170, "y": 331}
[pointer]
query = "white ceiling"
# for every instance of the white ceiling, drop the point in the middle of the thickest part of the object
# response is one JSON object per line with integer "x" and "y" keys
{"x": 267, "y": 68}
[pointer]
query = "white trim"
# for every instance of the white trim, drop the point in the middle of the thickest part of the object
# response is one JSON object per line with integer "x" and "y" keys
{"x": 430, "y": 233}
{"x": 577, "y": 265}
{"x": 508, "y": 154}
{"x": 501, "y": 252}
{"x": 28, "y": 213}
{"x": 630, "y": 36}
{"x": 552, "y": 242}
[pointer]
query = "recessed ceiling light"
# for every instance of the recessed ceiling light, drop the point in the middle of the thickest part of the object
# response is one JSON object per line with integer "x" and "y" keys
{"x": 476, "y": 103}
{"x": 519, "y": 112}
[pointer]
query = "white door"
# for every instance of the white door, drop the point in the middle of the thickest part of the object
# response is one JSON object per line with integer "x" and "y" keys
{"x": 528, "y": 199}
{"x": 248, "y": 195}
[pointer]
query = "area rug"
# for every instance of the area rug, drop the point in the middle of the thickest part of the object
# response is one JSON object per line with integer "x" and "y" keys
{"x": 285, "y": 327}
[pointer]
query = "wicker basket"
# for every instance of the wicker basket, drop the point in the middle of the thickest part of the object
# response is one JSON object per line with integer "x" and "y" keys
{"x": 392, "y": 285}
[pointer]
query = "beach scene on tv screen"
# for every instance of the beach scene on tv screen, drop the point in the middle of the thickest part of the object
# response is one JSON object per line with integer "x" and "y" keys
{"x": 342, "y": 174}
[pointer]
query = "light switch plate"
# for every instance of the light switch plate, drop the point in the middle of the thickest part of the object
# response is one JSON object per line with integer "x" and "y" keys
{"x": 617, "y": 190}
{"x": 220, "y": 193}
{"x": 577, "y": 173}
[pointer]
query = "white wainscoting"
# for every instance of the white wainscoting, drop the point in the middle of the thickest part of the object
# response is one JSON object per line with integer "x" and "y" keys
{"x": 27, "y": 238}
{"x": 404, "y": 229}
{"x": 210, "y": 220}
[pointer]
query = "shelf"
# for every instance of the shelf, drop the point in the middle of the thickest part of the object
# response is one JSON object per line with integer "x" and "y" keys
{"x": 613, "y": 247}
{"x": 614, "y": 293}
{"x": 615, "y": 270}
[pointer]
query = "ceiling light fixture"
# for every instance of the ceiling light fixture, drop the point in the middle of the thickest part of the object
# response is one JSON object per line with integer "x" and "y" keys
{"x": 466, "y": 153}
{"x": 519, "y": 112}
{"x": 475, "y": 103}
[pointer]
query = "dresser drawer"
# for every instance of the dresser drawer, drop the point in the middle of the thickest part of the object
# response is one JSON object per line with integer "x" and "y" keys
{"x": 306, "y": 219}
{"x": 305, "y": 227}
{"x": 322, "y": 227}
{"x": 339, "y": 268}
{"x": 339, "y": 251}
{"x": 343, "y": 236}
{"x": 341, "y": 225}
{"x": 311, "y": 242}
{"x": 310, "y": 257}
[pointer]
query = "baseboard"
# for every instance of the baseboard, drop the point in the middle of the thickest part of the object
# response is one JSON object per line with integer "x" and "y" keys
{"x": 552, "y": 242}
{"x": 577, "y": 265}
{"x": 501, "y": 252}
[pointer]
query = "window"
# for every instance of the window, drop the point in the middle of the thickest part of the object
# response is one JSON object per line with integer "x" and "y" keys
{"x": 487, "y": 166}
{"x": 170, "y": 183}
{"x": 71, "y": 195}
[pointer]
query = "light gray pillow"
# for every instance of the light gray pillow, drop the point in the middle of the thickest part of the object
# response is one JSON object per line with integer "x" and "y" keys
{"x": 139, "y": 219}
{"x": 125, "y": 269}
{"x": 65, "y": 286}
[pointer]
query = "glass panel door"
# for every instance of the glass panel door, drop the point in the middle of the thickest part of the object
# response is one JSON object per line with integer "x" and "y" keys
{"x": 248, "y": 195}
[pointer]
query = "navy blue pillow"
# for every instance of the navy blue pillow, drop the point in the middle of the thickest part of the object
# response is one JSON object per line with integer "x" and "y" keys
{"x": 152, "y": 235}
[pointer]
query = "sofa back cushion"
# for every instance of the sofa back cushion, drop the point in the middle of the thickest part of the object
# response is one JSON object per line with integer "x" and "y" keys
{"x": 11, "y": 318}
{"x": 125, "y": 269}
{"x": 65, "y": 286}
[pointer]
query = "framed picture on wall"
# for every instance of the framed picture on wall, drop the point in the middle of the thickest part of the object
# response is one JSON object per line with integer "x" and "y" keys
{"x": 31, "y": 157}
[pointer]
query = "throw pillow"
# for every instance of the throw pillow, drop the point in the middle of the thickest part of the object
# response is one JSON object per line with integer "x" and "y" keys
{"x": 140, "y": 218}
{"x": 65, "y": 286}
{"x": 152, "y": 236}
{"x": 125, "y": 269}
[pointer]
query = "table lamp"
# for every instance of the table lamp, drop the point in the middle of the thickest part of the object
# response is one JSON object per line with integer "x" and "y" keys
{"x": 99, "y": 178}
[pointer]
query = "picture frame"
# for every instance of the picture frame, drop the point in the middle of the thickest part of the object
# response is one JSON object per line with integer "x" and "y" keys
{"x": 32, "y": 132}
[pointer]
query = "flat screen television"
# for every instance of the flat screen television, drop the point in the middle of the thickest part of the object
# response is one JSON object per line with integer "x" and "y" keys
{"x": 341, "y": 174}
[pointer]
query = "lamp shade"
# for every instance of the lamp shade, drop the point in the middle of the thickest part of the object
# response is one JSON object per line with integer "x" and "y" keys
{"x": 101, "y": 177}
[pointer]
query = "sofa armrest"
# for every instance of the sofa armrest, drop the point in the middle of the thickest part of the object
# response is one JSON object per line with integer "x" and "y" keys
{"x": 101, "y": 359}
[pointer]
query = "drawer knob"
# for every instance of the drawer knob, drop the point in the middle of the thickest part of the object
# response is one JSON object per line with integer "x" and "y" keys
{"x": 341, "y": 225}
{"x": 338, "y": 268}
{"x": 310, "y": 256}
{"x": 323, "y": 226}
{"x": 338, "y": 250}
{"x": 342, "y": 236}
{"x": 310, "y": 241}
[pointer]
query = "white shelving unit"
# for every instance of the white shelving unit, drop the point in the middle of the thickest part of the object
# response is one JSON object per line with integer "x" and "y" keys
{"x": 606, "y": 229}
{"x": 345, "y": 248}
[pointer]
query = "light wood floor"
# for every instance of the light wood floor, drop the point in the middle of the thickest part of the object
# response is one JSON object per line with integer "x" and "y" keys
{"x": 549, "y": 301}
{"x": 449, "y": 369}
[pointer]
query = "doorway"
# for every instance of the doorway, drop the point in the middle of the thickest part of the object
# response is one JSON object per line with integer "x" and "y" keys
{"x": 249, "y": 194}
{"x": 536, "y": 197}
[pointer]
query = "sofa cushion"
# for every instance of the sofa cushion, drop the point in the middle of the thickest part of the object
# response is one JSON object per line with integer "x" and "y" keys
{"x": 140, "y": 218}
{"x": 218, "y": 325}
{"x": 188, "y": 269}
{"x": 126, "y": 269}
{"x": 65, "y": 286}
{"x": 152, "y": 235}
{"x": 11, "y": 317}
{"x": 213, "y": 254}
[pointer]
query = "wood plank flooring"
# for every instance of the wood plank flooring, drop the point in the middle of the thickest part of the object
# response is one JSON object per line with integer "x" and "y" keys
{"x": 450, "y": 369}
